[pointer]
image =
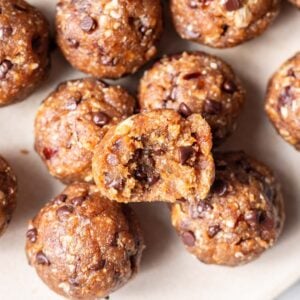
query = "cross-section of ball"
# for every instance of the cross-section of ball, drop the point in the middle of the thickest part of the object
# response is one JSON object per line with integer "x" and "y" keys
{"x": 155, "y": 156}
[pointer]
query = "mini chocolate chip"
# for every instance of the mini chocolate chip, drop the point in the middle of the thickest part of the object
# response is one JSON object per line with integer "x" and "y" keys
{"x": 32, "y": 235}
{"x": 202, "y": 207}
{"x": 107, "y": 298}
{"x": 191, "y": 76}
{"x": 232, "y": 5}
{"x": 77, "y": 201}
{"x": 101, "y": 118}
{"x": 19, "y": 7}
{"x": 5, "y": 66}
{"x": 219, "y": 187}
{"x": 213, "y": 230}
{"x": 291, "y": 73}
{"x": 64, "y": 211}
{"x": 212, "y": 107}
{"x": 229, "y": 86}
{"x": 42, "y": 259}
{"x": 251, "y": 217}
{"x": 88, "y": 24}
{"x": 225, "y": 28}
{"x": 185, "y": 153}
{"x": 73, "y": 43}
{"x": 5, "y": 32}
{"x": 188, "y": 238}
{"x": 153, "y": 178}
{"x": 184, "y": 110}
{"x": 286, "y": 97}
{"x": 36, "y": 43}
{"x": 74, "y": 101}
{"x": 99, "y": 265}
{"x": 49, "y": 153}
{"x": 60, "y": 199}
{"x": 74, "y": 282}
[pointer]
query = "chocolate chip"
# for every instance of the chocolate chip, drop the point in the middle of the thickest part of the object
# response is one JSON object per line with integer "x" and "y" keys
{"x": 74, "y": 282}
{"x": 36, "y": 43}
{"x": 5, "y": 32}
{"x": 185, "y": 153}
{"x": 145, "y": 167}
{"x": 32, "y": 235}
{"x": 286, "y": 97}
{"x": 98, "y": 266}
{"x": 19, "y": 7}
{"x": 64, "y": 212}
{"x": 49, "y": 153}
{"x": 101, "y": 118}
{"x": 291, "y": 73}
{"x": 74, "y": 101}
{"x": 229, "y": 87}
{"x": 5, "y": 66}
{"x": 191, "y": 76}
{"x": 198, "y": 210}
{"x": 225, "y": 28}
{"x": 73, "y": 43}
{"x": 232, "y": 5}
{"x": 188, "y": 238}
{"x": 88, "y": 24}
{"x": 60, "y": 199}
{"x": 213, "y": 230}
{"x": 219, "y": 187}
{"x": 77, "y": 201}
{"x": 212, "y": 107}
{"x": 42, "y": 259}
{"x": 184, "y": 110}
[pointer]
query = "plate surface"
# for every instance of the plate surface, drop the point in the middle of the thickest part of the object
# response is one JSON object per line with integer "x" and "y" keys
{"x": 168, "y": 271}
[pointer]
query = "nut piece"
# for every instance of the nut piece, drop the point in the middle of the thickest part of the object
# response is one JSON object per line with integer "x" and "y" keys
{"x": 195, "y": 82}
{"x": 84, "y": 246}
{"x": 283, "y": 101}
{"x": 108, "y": 39}
{"x": 155, "y": 156}
{"x": 241, "y": 218}
{"x": 223, "y": 24}
{"x": 8, "y": 193}
{"x": 24, "y": 50}
{"x": 73, "y": 120}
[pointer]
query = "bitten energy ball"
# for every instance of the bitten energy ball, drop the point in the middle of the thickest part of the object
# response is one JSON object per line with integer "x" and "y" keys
{"x": 224, "y": 23}
{"x": 8, "y": 191}
{"x": 283, "y": 101}
{"x": 24, "y": 50}
{"x": 195, "y": 83}
{"x": 84, "y": 246}
{"x": 241, "y": 218}
{"x": 155, "y": 156}
{"x": 73, "y": 120}
{"x": 108, "y": 38}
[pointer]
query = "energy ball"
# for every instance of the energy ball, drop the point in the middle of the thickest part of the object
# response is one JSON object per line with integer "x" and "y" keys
{"x": 73, "y": 120}
{"x": 195, "y": 82}
{"x": 283, "y": 101}
{"x": 108, "y": 38}
{"x": 223, "y": 24}
{"x": 84, "y": 246}
{"x": 24, "y": 50}
{"x": 8, "y": 193}
{"x": 155, "y": 156}
{"x": 241, "y": 218}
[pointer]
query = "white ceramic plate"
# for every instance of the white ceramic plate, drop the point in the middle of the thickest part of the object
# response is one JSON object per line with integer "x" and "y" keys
{"x": 168, "y": 272}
